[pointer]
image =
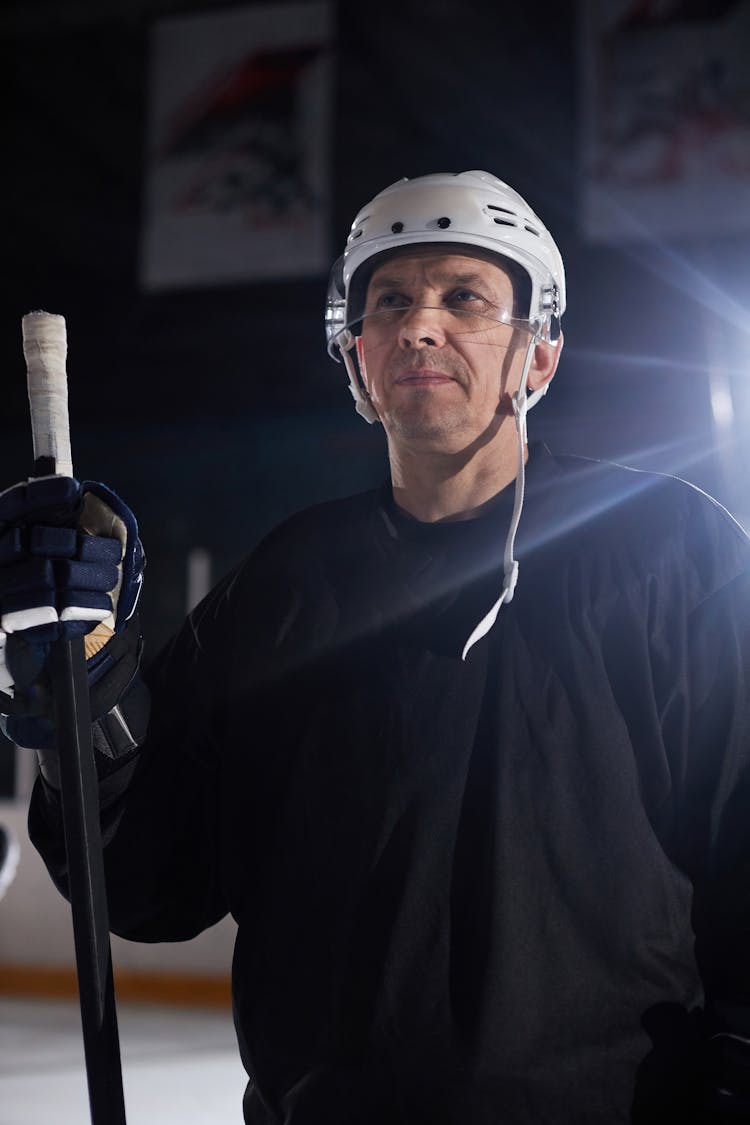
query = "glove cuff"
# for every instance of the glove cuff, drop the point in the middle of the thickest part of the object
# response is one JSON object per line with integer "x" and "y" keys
{"x": 120, "y": 731}
{"x": 120, "y": 705}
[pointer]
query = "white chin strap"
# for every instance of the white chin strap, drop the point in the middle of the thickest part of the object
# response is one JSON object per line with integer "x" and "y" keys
{"x": 362, "y": 403}
{"x": 522, "y": 403}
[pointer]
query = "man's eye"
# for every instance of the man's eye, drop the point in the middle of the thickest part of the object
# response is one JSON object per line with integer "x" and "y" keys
{"x": 391, "y": 301}
{"x": 464, "y": 296}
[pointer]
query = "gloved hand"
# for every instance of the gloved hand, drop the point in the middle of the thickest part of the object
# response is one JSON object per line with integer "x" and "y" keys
{"x": 70, "y": 561}
{"x": 727, "y": 1094}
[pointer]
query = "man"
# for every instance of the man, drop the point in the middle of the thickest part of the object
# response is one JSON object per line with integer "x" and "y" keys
{"x": 484, "y": 835}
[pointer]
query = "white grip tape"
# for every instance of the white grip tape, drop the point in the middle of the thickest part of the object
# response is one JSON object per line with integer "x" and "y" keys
{"x": 45, "y": 348}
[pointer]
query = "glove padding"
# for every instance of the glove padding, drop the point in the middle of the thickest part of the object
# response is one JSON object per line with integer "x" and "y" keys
{"x": 70, "y": 559}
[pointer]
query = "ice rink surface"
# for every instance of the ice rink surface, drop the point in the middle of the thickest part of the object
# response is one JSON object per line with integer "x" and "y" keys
{"x": 180, "y": 1065}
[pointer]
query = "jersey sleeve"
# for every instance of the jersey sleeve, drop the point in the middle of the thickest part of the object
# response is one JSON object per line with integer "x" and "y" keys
{"x": 715, "y": 792}
{"x": 705, "y": 701}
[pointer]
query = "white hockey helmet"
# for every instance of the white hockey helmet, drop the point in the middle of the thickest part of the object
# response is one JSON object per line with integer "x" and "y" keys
{"x": 452, "y": 209}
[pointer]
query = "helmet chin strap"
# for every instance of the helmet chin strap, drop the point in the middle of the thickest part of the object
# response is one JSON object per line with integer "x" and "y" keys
{"x": 522, "y": 403}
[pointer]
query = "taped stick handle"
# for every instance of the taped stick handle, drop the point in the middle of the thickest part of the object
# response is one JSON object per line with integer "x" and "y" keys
{"x": 45, "y": 348}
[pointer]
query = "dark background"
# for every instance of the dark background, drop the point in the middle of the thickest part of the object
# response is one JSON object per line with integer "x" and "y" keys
{"x": 215, "y": 412}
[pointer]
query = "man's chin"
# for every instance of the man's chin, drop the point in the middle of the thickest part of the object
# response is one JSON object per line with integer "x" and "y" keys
{"x": 427, "y": 429}
{"x": 447, "y": 432}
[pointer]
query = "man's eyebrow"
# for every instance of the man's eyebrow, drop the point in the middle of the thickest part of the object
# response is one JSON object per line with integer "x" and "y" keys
{"x": 386, "y": 283}
{"x": 394, "y": 281}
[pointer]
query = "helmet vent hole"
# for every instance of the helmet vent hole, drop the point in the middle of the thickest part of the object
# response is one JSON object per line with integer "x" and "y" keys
{"x": 397, "y": 228}
{"x": 494, "y": 207}
{"x": 531, "y": 230}
{"x": 504, "y": 222}
{"x": 357, "y": 234}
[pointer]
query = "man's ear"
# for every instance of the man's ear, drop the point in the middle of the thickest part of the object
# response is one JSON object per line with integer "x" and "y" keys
{"x": 544, "y": 364}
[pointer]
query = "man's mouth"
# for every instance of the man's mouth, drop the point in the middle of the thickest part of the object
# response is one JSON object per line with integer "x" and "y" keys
{"x": 423, "y": 377}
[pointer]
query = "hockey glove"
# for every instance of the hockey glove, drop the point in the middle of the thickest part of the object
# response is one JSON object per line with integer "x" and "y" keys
{"x": 727, "y": 1096}
{"x": 70, "y": 561}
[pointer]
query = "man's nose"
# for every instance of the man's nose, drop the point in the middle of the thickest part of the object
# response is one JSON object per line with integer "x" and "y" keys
{"x": 422, "y": 326}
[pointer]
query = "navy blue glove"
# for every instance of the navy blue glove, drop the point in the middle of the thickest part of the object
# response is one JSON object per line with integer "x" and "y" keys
{"x": 70, "y": 561}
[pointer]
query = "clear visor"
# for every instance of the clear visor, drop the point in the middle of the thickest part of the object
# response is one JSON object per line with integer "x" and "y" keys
{"x": 461, "y": 317}
{"x": 486, "y": 323}
{"x": 463, "y": 312}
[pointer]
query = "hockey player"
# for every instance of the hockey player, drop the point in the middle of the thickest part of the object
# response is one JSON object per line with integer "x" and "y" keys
{"x": 466, "y": 757}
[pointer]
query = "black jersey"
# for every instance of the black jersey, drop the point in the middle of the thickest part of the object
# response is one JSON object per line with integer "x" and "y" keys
{"x": 498, "y": 891}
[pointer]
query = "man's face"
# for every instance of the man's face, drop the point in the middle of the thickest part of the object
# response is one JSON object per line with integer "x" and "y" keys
{"x": 437, "y": 355}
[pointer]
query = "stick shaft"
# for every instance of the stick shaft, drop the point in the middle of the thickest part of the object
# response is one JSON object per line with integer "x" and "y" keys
{"x": 45, "y": 348}
{"x": 80, "y": 805}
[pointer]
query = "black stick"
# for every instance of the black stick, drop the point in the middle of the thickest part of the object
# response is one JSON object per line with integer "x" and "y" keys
{"x": 45, "y": 348}
{"x": 83, "y": 845}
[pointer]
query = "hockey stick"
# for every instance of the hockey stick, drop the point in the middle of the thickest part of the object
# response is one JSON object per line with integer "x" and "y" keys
{"x": 45, "y": 347}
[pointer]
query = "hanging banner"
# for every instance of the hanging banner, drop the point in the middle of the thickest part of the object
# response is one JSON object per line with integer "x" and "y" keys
{"x": 666, "y": 118}
{"x": 238, "y": 172}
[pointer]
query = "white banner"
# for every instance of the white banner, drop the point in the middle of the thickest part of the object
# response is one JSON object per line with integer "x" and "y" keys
{"x": 666, "y": 117}
{"x": 238, "y": 175}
